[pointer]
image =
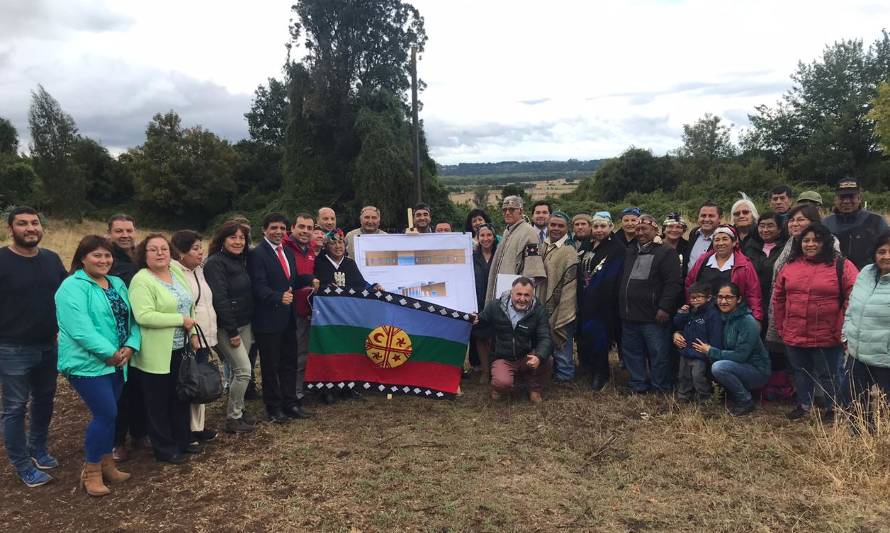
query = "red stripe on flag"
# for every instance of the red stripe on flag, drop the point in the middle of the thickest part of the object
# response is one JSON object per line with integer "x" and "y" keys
{"x": 353, "y": 367}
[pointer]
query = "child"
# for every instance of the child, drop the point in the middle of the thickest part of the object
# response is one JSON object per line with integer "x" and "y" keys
{"x": 702, "y": 322}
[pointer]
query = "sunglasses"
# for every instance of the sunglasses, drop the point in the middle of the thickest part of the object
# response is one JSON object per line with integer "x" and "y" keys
{"x": 742, "y": 212}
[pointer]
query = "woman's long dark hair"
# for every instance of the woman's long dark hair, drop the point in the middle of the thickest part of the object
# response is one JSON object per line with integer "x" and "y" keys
{"x": 826, "y": 254}
{"x": 87, "y": 245}
{"x": 468, "y": 225}
{"x": 224, "y": 232}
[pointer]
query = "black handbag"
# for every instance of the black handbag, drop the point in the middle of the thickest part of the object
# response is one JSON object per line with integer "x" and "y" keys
{"x": 199, "y": 379}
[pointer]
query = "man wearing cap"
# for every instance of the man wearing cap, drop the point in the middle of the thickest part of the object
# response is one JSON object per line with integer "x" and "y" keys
{"x": 581, "y": 231}
{"x": 629, "y": 218}
{"x": 559, "y": 293}
{"x": 855, "y": 228}
{"x": 518, "y": 252}
{"x": 423, "y": 218}
{"x": 650, "y": 288}
{"x": 370, "y": 224}
{"x": 700, "y": 238}
{"x": 810, "y": 197}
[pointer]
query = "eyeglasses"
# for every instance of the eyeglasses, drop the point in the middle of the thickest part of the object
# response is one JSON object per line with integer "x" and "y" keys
{"x": 742, "y": 212}
{"x": 724, "y": 298}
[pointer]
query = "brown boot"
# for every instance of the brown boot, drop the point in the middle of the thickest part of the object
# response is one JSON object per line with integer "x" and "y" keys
{"x": 535, "y": 397}
{"x": 110, "y": 471}
{"x": 91, "y": 479}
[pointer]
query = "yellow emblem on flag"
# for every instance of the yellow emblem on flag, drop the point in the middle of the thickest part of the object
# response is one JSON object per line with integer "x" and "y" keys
{"x": 388, "y": 346}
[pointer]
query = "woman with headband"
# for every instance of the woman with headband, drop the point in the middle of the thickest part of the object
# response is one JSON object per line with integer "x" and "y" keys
{"x": 673, "y": 230}
{"x": 601, "y": 262}
{"x": 725, "y": 262}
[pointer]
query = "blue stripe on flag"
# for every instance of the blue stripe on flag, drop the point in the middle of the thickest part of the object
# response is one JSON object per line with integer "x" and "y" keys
{"x": 359, "y": 312}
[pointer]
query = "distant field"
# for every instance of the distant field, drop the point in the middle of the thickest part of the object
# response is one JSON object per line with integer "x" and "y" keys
{"x": 536, "y": 191}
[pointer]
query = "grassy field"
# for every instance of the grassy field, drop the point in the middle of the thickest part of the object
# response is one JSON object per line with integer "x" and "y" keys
{"x": 580, "y": 462}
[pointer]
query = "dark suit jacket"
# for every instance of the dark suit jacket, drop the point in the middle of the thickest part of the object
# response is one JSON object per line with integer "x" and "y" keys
{"x": 269, "y": 285}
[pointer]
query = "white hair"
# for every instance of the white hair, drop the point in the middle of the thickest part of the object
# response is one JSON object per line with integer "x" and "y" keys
{"x": 745, "y": 200}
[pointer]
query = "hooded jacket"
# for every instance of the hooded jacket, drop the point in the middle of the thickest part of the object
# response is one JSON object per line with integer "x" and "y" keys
{"x": 806, "y": 302}
{"x": 651, "y": 281}
{"x": 743, "y": 274}
{"x": 531, "y": 335}
{"x": 741, "y": 341}
{"x": 867, "y": 320}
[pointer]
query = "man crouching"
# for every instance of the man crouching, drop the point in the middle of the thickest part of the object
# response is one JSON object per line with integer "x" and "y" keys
{"x": 522, "y": 345}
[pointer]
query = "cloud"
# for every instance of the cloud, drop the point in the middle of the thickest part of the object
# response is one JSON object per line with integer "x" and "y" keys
{"x": 740, "y": 87}
{"x": 57, "y": 19}
{"x": 535, "y": 101}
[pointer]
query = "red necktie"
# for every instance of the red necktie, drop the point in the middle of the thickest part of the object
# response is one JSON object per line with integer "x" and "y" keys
{"x": 283, "y": 262}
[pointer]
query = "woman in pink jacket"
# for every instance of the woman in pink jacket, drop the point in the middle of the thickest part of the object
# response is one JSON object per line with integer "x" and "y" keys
{"x": 725, "y": 262}
{"x": 809, "y": 299}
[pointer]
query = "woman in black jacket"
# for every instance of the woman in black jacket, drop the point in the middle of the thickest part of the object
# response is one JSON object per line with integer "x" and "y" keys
{"x": 486, "y": 237}
{"x": 226, "y": 273}
{"x": 334, "y": 269}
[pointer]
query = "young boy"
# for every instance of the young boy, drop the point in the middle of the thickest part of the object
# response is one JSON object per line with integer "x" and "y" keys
{"x": 701, "y": 322}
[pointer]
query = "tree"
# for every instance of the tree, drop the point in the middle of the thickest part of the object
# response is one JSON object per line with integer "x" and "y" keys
{"x": 18, "y": 181}
{"x": 267, "y": 118}
{"x": 880, "y": 114}
{"x": 820, "y": 129}
{"x": 54, "y": 135}
{"x": 480, "y": 196}
{"x": 514, "y": 190}
{"x": 108, "y": 182}
{"x": 707, "y": 139}
{"x": 9, "y": 138}
{"x": 357, "y": 59}
{"x": 184, "y": 175}
{"x": 636, "y": 170}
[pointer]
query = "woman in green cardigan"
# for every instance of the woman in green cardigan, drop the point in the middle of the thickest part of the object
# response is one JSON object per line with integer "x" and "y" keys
{"x": 165, "y": 312}
{"x": 97, "y": 337}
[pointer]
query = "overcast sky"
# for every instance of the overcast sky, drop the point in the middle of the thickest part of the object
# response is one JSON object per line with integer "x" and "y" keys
{"x": 507, "y": 80}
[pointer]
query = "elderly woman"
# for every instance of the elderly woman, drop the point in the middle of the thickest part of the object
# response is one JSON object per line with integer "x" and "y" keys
{"x": 601, "y": 263}
{"x": 744, "y": 217}
{"x": 725, "y": 262}
{"x": 867, "y": 329}
{"x": 809, "y": 299}
{"x": 743, "y": 364}
{"x": 188, "y": 253}
{"x": 165, "y": 311}
{"x": 97, "y": 337}
{"x": 232, "y": 294}
{"x": 673, "y": 230}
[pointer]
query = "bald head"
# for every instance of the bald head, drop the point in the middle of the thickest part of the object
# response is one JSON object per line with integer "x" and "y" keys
{"x": 327, "y": 219}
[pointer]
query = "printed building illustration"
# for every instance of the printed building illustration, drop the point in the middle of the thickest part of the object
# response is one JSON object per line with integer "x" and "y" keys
{"x": 415, "y": 258}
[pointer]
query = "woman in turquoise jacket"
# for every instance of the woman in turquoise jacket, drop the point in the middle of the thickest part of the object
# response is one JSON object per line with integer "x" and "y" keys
{"x": 867, "y": 327}
{"x": 163, "y": 306}
{"x": 743, "y": 364}
{"x": 97, "y": 337}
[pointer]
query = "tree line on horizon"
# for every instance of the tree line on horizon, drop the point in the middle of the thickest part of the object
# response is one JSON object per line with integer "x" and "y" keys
{"x": 334, "y": 130}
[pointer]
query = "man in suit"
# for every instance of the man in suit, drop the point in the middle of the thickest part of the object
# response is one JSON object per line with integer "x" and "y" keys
{"x": 273, "y": 274}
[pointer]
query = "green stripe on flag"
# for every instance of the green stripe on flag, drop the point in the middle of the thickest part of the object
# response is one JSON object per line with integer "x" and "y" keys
{"x": 349, "y": 339}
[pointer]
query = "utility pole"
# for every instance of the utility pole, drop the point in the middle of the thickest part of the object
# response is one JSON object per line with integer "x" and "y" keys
{"x": 416, "y": 123}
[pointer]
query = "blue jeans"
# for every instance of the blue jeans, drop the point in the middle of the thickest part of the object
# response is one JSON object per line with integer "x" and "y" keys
{"x": 563, "y": 360}
{"x": 27, "y": 371}
{"x": 101, "y": 394}
{"x": 812, "y": 366}
{"x": 646, "y": 344}
{"x": 739, "y": 379}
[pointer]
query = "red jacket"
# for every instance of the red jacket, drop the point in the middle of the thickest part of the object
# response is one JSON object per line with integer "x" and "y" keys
{"x": 743, "y": 274}
{"x": 305, "y": 261}
{"x": 806, "y": 304}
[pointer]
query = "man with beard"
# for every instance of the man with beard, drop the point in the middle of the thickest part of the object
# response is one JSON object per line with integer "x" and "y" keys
{"x": 130, "y": 405}
{"x": 29, "y": 278}
{"x": 581, "y": 229}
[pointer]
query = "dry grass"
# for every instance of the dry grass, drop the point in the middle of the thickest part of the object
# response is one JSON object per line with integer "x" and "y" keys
{"x": 581, "y": 462}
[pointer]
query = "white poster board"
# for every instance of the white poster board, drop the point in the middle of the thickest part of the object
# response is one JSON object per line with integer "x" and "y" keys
{"x": 433, "y": 267}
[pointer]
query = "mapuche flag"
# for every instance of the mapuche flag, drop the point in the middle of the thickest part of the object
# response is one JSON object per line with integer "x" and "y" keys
{"x": 387, "y": 342}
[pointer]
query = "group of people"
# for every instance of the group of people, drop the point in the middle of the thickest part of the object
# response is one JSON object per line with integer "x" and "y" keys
{"x": 732, "y": 303}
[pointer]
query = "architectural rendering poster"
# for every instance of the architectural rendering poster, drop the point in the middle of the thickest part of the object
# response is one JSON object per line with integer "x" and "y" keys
{"x": 434, "y": 267}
